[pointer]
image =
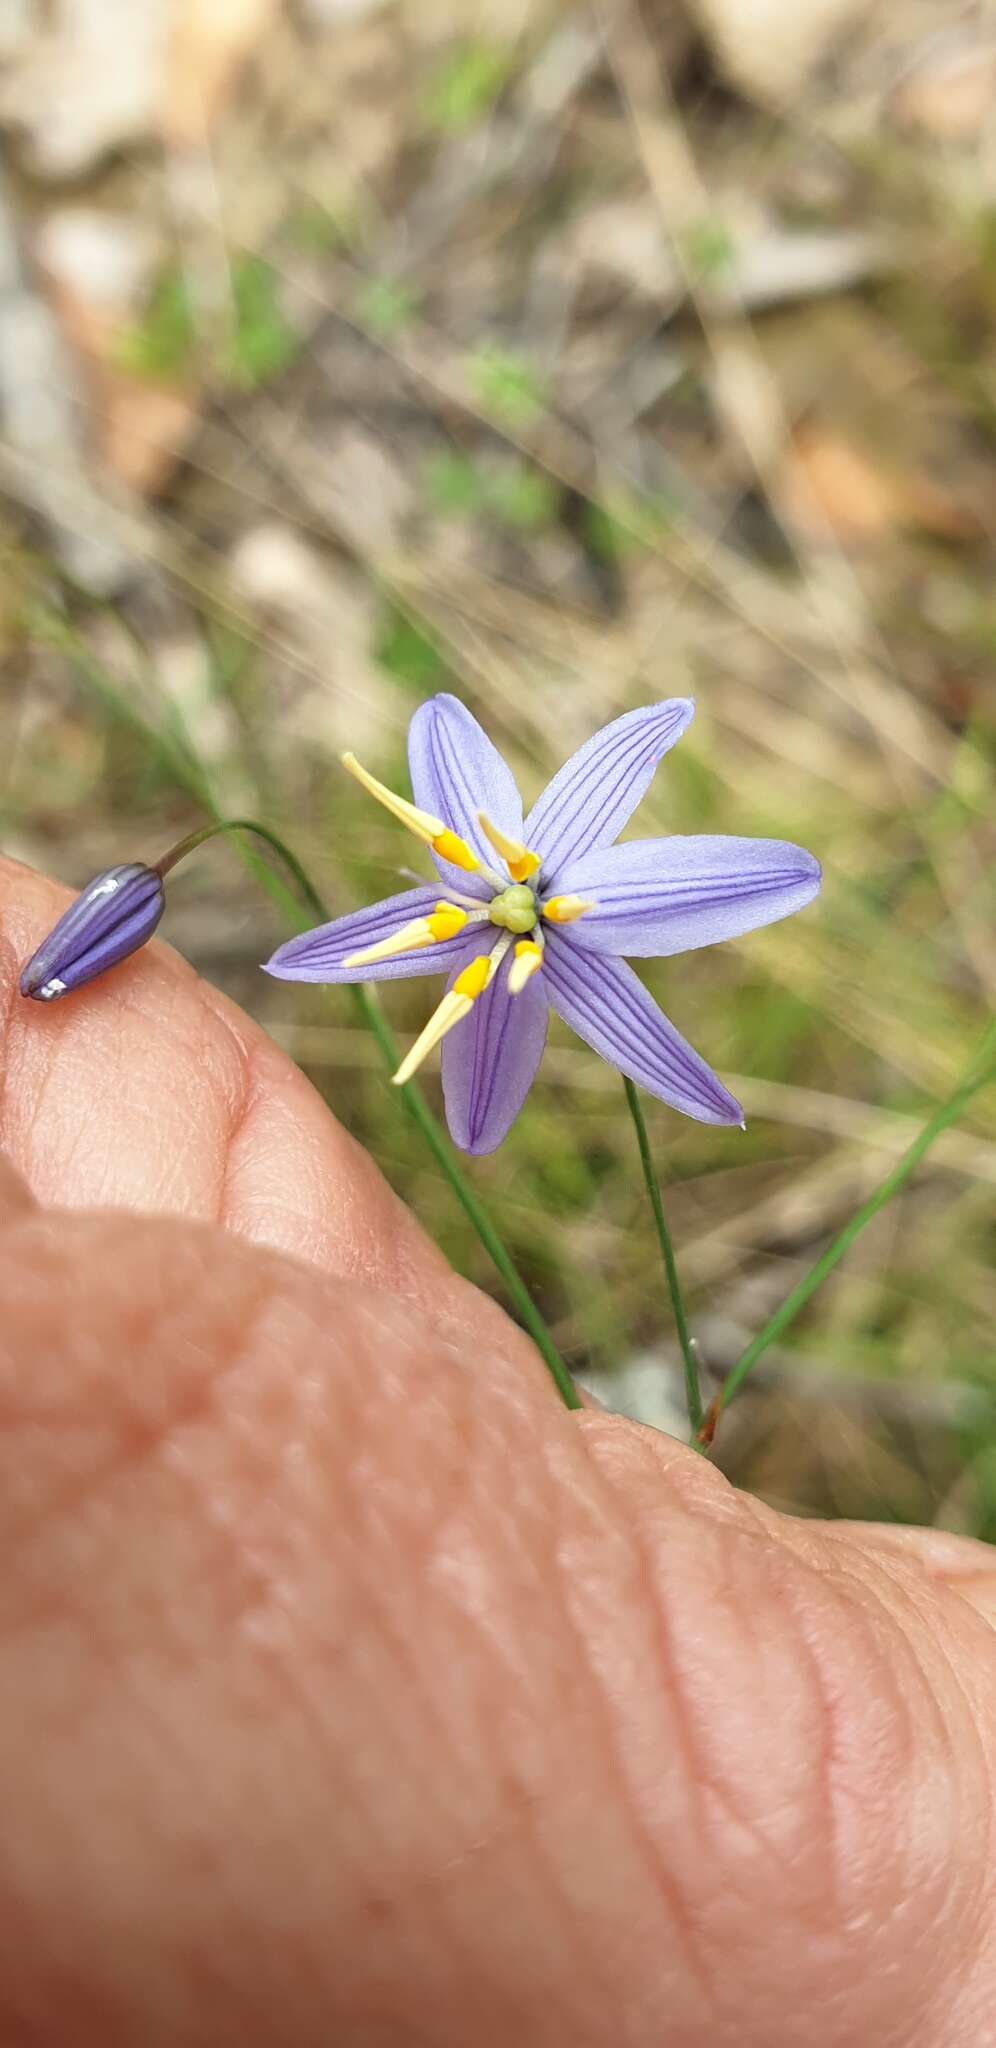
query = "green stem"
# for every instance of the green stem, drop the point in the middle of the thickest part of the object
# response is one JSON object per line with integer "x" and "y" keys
{"x": 292, "y": 864}
{"x": 414, "y": 1102}
{"x": 947, "y": 1113}
{"x": 422, "y": 1115}
{"x": 693, "y": 1394}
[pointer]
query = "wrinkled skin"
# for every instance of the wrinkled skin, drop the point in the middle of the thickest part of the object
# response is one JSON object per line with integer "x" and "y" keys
{"x": 351, "y": 1691}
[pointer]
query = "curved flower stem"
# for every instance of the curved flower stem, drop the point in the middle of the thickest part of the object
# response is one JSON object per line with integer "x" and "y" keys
{"x": 290, "y": 860}
{"x": 418, "y": 1109}
{"x": 975, "y": 1078}
{"x": 693, "y": 1394}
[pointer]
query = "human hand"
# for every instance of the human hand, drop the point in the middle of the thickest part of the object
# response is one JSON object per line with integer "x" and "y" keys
{"x": 351, "y": 1691}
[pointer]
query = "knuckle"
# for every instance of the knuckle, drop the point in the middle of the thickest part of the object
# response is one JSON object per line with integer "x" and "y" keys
{"x": 804, "y": 1774}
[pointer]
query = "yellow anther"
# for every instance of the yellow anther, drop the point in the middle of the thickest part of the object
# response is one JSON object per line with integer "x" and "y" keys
{"x": 476, "y": 977}
{"x": 518, "y": 859}
{"x": 422, "y": 823}
{"x": 431, "y": 830}
{"x": 446, "y": 921}
{"x": 456, "y": 1004}
{"x": 451, "y": 847}
{"x": 528, "y": 957}
{"x": 442, "y": 923}
{"x": 564, "y": 909}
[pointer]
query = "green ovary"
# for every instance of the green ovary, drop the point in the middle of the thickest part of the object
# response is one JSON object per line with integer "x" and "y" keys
{"x": 514, "y": 909}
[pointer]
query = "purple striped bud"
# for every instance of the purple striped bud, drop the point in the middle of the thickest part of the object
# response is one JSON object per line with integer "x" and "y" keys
{"x": 110, "y": 918}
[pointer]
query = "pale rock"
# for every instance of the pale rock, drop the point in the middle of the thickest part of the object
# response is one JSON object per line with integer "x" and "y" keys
{"x": 98, "y": 266}
{"x": 209, "y": 43}
{"x": 625, "y": 241}
{"x": 361, "y": 490}
{"x": 769, "y": 50}
{"x": 106, "y": 259}
{"x": 320, "y": 622}
{"x": 42, "y": 463}
{"x": 278, "y": 570}
{"x": 566, "y": 60}
{"x": 18, "y": 25}
{"x": 647, "y": 1389}
{"x": 106, "y": 74}
{"x": 950, "y": 93}
{"x": 89, "y": 84}
{"x": 777, "y": 265}
{"x": 186, "y": 679}
{"x": 330, "y": 13}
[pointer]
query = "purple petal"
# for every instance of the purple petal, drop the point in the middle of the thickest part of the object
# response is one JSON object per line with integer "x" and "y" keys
{"x": 318, "y": 955}
{"x": 110, "y": 918}
{"x": 456, "y": 772}
{"x": 602, "y": 1000}
{"x": 661, "y": 896}
{"x": 489, "y": 1061}
{"x": 592, "y": 795}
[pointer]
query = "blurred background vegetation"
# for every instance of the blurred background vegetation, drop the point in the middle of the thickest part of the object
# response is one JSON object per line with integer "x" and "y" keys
{"x": 566, "y": 354}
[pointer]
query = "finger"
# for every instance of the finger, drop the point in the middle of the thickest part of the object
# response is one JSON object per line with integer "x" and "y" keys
{"x": 16, "y": 1199}
{"x": 350, "y": 1692}
{"x": 147, "y": 1090}
{"x": 961, "y": 1562}
{"x": 939, "y": 1551}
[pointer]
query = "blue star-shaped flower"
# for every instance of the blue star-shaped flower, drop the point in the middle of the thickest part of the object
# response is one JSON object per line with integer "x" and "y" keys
{"x": 537, "y": 914}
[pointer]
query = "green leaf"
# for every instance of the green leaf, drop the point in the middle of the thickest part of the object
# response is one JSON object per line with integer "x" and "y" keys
{"x": 163, "y": 344}
{"x": 263, "y": 341}
{"x": 627, "y": 525}
{"x": 508, "y": 385}
{"x": 710, "y": 247}
{"x": 466, "y": 86}
{"x": 515, "y": 494}
{"x": 385, "y": 306}
{"x": 454, "y": 483}
{"x": 523, "y": 498}
{"x": 409, "y": 654}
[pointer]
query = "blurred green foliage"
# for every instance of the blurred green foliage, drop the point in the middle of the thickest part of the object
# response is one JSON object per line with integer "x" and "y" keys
{"x": 515, "y": 494}
{"x": 164, "y": 344}
{"x": 466, "y": 85}
{"x": 626, "y": 524}
{"x": 710, "y": 248}
{"x": 408, "y": 654}
{"x": 168, "y": 344}
{"x": 262, "y": 343}
{"x": 507, "y": 385}
{"x": 385, "y": 306}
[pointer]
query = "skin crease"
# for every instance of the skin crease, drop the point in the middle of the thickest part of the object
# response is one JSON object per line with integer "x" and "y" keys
{"x": 351, "y": 1690}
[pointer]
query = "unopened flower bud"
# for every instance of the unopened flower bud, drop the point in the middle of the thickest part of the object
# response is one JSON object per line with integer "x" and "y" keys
{"x": 112, "y": 917}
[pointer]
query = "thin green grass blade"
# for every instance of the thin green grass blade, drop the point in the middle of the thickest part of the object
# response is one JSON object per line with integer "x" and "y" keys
{"x": 693, "y": 1394}
{"x": 981, "y": 1070}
